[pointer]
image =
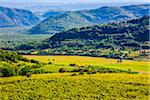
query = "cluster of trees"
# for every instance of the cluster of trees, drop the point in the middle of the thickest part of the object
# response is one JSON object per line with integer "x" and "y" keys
{"x": 9, "y": 65}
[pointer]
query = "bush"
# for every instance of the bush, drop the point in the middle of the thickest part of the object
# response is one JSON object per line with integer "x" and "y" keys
{"x": 34, "y": 61}
{"x": 24, "y": 70}
{"x": 89, "y": 72}
{"x": 73, "y": 74}
{"x": 62, "y": 70}
{"x": 36, "y": 66}
{"x": 49, "y": 63}
{"x": 39, "y": 71}
{"x": 85, "y": 70}
{"x": 77, "y": 70}
{"x": 25, "y": 59}
{"x": 29, "y": 74}
{"x": 94, "y": 72}
{"x": 81, "y": 73}
{"x": 6, "y": 72}
{"x": 73, "y": 64}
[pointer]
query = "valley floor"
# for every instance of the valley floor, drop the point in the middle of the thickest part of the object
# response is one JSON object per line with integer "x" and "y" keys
{"x": 64, "y": 61}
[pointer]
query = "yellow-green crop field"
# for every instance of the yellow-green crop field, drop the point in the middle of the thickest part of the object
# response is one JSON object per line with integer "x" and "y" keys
{"x": 76, "y": 86}
{"x": 64, "y": 61}
{"x": 81, "y": 87}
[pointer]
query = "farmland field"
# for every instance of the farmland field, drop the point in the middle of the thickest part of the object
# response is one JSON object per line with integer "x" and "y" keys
{"x": 71, "y": 85}
{"x": 142, "y": 66}
{"x": 81, "y": 87}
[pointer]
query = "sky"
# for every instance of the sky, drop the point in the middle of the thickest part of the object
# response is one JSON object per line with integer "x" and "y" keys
{"x": 73, "y": 1}
{"x": 43, "y": 5}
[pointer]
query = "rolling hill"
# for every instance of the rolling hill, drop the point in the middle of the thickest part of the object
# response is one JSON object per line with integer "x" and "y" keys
{"x": 133, "y": 33}
{"x": 77, "y": 19}
{"x": 10, "y": 17}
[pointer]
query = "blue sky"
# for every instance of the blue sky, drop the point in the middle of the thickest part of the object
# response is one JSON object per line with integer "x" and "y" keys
{"x": 43, "y": 5}
{"x": 72, "y": 1}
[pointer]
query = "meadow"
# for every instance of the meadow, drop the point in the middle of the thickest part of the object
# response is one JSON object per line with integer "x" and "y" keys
{"x": 64, "y": 61}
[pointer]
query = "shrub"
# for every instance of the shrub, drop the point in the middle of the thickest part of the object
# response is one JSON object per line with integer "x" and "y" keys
{"x": 73, "y": 74}
{"x": 34, "y": 61}
{"x": 73, "y": 64}
{"x": 6, "y": 72}
{"x": 25, "y": 59}
{"x": 50, "y": 63}
{"x": 25, "y": 70}
{"x": 85, "y": 70}
{"x": 29, "y": 74}
{"x": 36, "y": 66}
{"x": 62, "y": 70}
{"x": 39, "y": 71}
{"x": 94, "y": 72}
{"x": 89, "y": 72}
{"x": 129, "y": 70}
{"x": 77, "y": 70}
{"x": 81, "y": 73}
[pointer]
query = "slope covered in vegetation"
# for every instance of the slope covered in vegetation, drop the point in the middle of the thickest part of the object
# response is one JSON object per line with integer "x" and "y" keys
{"x": 128, "y": 36}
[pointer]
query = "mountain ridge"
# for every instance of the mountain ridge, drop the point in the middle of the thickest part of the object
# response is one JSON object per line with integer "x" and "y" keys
{"x": 12, "y": 17}
{"x": 77, "y": 19}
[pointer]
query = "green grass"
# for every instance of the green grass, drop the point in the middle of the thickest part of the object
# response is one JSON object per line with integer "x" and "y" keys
{"x": 64, "y": 61}
{"x": 55, "y": 68}
{"x": 81, "y": 87}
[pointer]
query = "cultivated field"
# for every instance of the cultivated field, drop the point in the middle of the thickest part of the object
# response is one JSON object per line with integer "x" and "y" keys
{"x": 141, "y": 66}
{"x": 81, "y": 87}
{"x": 78, "y": 85}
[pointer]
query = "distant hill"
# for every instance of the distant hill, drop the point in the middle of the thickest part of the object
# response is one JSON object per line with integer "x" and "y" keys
{"x": 77, "y": 19}
{"x": 53, "y": 13}
{"x": 10, "y": 17}
{"x": 132, "y": 34}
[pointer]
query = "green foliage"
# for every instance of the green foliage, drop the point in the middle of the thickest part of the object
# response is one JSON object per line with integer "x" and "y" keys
{"x": 11, "y": 56}
{"x": 25, "y": 70}
{"x": 102, "y": 41}
{"x": 7, "y": 72}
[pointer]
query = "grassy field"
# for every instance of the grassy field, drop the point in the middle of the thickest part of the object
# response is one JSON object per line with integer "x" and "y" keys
{"x": 64, "y": 61}
{"x": 81, "y": 87}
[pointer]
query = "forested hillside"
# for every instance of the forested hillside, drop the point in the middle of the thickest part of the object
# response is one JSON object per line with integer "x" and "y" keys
{"x": 100, "y": 40}
{"x": 77, "y": 19}
{"x": 133, "y": 33}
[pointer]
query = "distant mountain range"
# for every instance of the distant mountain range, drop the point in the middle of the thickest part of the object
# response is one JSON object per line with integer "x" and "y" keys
{"x": 132, "y": 33}
{"x": 77, "y": 19}
{"x": 10, "y": 17}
